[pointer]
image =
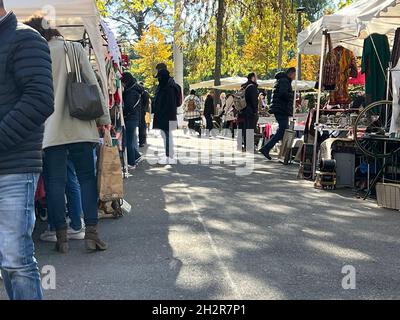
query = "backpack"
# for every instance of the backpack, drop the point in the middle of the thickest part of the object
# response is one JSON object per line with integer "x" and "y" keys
{"x": 239, "y": 99}
{"x": 191, "y": 105}
{"x": 179, "y": 95}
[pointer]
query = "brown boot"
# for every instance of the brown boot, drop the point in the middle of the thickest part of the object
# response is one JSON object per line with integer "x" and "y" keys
{"x": 92, "y": 240}
{"x": 62, "y": 241}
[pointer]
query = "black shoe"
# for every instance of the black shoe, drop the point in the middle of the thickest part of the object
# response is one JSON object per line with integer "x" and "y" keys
{"x": 142, "y": 145}
{"x": 265, "y": 154}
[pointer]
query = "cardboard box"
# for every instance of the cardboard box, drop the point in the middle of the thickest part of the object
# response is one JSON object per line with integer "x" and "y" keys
{"x": 388, "y": 195}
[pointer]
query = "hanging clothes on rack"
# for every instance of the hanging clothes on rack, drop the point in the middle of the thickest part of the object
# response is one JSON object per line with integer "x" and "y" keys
{"x": 396, "y": 48}
{"x": 395, "y": 122}
{"x": 375, "y": 61}
{"x": 347, "y": 68}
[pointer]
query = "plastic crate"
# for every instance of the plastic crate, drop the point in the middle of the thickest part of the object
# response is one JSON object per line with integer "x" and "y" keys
{"x": 388, "y": 195}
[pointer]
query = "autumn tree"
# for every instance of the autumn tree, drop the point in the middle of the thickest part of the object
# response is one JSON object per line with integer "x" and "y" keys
{"x": 134, "y": 17}
{"x": 151, "y": 49}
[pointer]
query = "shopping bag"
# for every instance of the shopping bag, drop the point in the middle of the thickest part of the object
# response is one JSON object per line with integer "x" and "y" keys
{"x": 109, "y": 176}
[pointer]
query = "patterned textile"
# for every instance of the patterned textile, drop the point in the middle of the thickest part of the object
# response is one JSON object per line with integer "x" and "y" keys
{"x": 347, "y": 63}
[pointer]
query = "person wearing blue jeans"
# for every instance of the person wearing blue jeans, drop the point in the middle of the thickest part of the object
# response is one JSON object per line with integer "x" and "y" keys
{"x": 132, "y": 98}
{"x": 17, "y": 211}
{"x": 74, "y": 207}
{"x": 26, "y": 101}
{"x": 55, "y": 177}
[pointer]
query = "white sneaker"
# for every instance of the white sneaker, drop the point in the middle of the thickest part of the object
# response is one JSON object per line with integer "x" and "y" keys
{"x": 76, "y": 234}
{"x": 171, "y": 161}
{"x": 48, "y": 236}
{"x": 163, "y": 161}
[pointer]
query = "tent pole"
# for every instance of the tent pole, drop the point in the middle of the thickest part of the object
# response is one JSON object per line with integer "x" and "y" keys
{"x": 321, "y": 67}
{"x": 295, "y": 82}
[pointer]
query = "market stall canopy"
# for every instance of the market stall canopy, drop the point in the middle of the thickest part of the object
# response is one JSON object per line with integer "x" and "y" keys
{"x": 350, "y": 25}
{"x": 71, "y": 18}
{"x": 302, "y": 85}
{"x": 209, "y": 84}
{"x": 235, "y": 83}
{"x": 68, "y": 15}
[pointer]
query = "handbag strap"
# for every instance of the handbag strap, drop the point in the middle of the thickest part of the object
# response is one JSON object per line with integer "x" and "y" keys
{"x": 75, "y": 60}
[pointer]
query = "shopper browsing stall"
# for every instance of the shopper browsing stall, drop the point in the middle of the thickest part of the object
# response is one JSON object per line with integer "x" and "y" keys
{"x": 132, "y": 98}
{"x": 66, "y": 135}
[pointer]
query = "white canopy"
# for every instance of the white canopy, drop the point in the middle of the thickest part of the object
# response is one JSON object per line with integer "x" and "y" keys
{"x": 235, "y": 83}
{"x": 350, "y": 25}
{"x": 209, "y": 84}
{"x": 72, "y": 18}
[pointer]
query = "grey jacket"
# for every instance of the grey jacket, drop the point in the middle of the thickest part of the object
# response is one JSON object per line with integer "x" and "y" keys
{"x": 61, "y": 128}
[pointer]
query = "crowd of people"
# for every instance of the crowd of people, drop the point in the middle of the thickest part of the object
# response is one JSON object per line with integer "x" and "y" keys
{"x": 41, "y": 135}
{"x": 230, "y": 117}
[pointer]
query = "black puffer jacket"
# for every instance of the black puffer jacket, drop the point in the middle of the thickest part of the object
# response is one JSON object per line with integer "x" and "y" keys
{"x": 282, "y": 96}
{"x": 133, "y": 97}
{"x": 165, "y": 104}
{"x": 251, "y": 96}
{"x": 26, "y": 96}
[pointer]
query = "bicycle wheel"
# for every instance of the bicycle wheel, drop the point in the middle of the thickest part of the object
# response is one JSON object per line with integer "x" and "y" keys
{"x": 371, "y": 127}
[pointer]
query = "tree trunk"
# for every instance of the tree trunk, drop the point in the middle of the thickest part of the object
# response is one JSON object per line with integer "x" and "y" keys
{"x": 282, "y": 30}
{"x": 218, "y": 46}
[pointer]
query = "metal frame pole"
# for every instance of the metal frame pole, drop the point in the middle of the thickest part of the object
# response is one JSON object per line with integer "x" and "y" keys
{"x": 321, "y": 67}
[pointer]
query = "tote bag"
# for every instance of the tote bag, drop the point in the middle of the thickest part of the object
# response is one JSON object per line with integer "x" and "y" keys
{"x": 83, "y": 99}
{"x": 109, "y": 176}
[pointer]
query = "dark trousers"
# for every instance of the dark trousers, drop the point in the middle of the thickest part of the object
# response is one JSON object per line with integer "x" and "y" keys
{"x": 249, "y": 124}
{"x": 192, "y": 124}
{"x": 55, "y": 178}
{"x": 283, "y": 122}
{"x": 209, "y": 122}
{"x": 142, "y": 130}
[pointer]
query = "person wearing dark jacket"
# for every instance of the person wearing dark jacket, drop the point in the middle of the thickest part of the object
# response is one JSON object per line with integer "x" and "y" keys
{"x": 144, "y": 108}
{"x": 281, "y": 107}
{"x": 132, "y": 98}
{"x": 209, "y": 111}
{"x": 26, "y": 101}
{"x": 250, "y": 113}
{"x": 165, "y": 112}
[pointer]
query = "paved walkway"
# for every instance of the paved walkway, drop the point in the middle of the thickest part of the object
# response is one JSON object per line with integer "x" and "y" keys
{"x": 204, "y": 232}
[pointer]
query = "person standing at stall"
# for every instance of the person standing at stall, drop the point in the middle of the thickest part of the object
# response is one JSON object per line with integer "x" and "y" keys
{"x": 209, "y": 110}
{"x": 144, "y": 109}
{"x": 132, "y": 97}
{"x": 26, "y": 101}
{"x": 281, "y": 107}
{"x": 250, "y": 113}
{"x": 67, "y": 137}
{"x": 165, "y": 113}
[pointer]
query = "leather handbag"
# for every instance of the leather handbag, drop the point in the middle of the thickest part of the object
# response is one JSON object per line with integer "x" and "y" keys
{"x": 84, "y": 99}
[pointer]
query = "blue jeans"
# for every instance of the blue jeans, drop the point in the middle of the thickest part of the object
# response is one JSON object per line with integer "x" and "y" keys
{"x": 74, "y": 200}
{"x": 168, "y": 143}
{"x": 283, "y": 122}
{"x": 17, "y": 220}
{"x": 55, "y": 179}
{"x": 132, "y": 141}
